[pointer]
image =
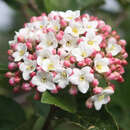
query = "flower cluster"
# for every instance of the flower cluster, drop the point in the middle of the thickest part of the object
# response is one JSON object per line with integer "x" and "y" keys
{"x": 66, "y": 49}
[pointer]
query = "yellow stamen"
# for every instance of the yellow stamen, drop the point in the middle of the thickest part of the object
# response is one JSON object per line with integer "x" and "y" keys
{"x": 49, "y": 43}
{"x": 41, "y": 26}
{"x": 91, "y": 42}
{"x": 70, "y": 18}
{"x": 68, "y": 43}
{"x": 43, "y": 79}
{"x": 101, "y": 97}
{"x": 21, "y": 52}
{"x": 51, "y": 66}
{"x": 67, "y": 58}
{"x": 99, "y": 67}
{"x": 64, "y": 75}
{"x": 56, "y": 28}
{"x": 89, "y": 26}
{"x": 30, "y": 67}
{"x": 112, "y": 48}
{"x": 75, "y": 30}
{"x": 84, "y": 54}
{"x": 82, "y": 78}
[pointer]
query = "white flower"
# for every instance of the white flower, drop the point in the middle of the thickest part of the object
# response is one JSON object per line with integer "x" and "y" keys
{"x": 62, "y": 77}
{"x": 48, "y": 41}
{"x": 92, "y": 40}
{"x": 70, "y": 15}
{"x": 51, "y": 64}
{"x": 68, "y": 42}
{"x": 55, "y": 25}
{"x": 75, "y": 29}
{"x": 102, "y": 98}
{"x": 113, "y": 47}
{"x": 43, "y": 81}
{"x": 21, "y": 52}
{"x": 42, "y": 55}
{"x": 81, "y": 78}
{"x": 101, "y": 64}
{"x": 89, "y": 25}
{"x": 82, "y": 52}
{"x": 27, "y": 67}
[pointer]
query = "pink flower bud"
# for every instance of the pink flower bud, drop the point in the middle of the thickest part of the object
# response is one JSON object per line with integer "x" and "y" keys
{"x": 81, "y": 63}
{"x": 17, "y": 79}
{"x": 88, "y": 61}
{"x": 97, "y": 90}
{"x": 73, "y": 91}
{"x": 79, "y": 40}
{"x": 122, "y": 42}
{"x": 59, "y": 36}
{"x": 72, "y": 59}
{"x": 89, "y": 103}
{"x": 29, "y": 45}
{"x": 67, "y": 63}
{"x": 12, "y": 66}
{"x": 11, "y": 81}
{"x": 95, "y": 82}
{"x": 124, "y": 62}
{"x": 101, "y": 24}
{"x": 32, "y": 85}
{"x": 108, "y": 28}
{"x": 55, "y": 91}
{"x": 33, "y": 19}
{"x": 9, "y": 74}
{"x": 114, "y": 33}
{"x": 30, "y": 57}
{"x": 16, "y": 89}
{"x": 37, "y": 96}
{"x": 26, "y": 87}
{"x": 63, "y": 23}
{"x": 10, "y": 58}
{"x": 125, "y": 55}
{"x": 10, "y": 52}
{"x": 32, "y": 74}
{"x": 20, "y": 38}
{"x": 54, "y": 51}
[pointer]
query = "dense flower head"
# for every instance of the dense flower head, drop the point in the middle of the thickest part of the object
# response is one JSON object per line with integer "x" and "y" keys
{"x": 66, "y": 49}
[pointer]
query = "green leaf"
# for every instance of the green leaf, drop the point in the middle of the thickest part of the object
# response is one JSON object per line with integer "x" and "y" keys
{"x": 41, "y": 108}
{"x": 11, "y": 114}
{"x": 89, "y": 119}
{"x": 61, "y": 100}
{"x": 39, "y": 123}
{"x": 71, "y": 4}
{"x": 28, "y": 125}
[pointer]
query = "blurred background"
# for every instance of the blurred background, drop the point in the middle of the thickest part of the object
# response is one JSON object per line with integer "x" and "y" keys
{"x": 14, "y": 13}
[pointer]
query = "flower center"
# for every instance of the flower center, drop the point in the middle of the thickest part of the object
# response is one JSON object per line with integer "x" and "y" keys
{"x": 75, "y": 30}
{"x": 21, "y": 52}
{"x": 56, "y": 28}
{"x": 44, "y": 79}
{"x": 82, "y": 77}
{"x": 89, "y": 26}
{"x": 49, "y": 43}
{"x": 30, "y": 67}
{"x": 41, "y": 26}
{"x": 64, "y": 75}
{"x": 83, "y": 54}
{"x": 99, "y": 67}
{"x": 50, "y": 66}
{"x": 44, "y": 58}
{"x": 70, "y": 18}
{"x": 90, "y": 42}
{"x": 112, "y": 48}
{"x": 68, "y": 43}
{"x": 101, "y": 97}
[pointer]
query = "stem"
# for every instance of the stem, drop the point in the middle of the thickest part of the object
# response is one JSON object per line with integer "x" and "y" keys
{"x": 47, "y": 124}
